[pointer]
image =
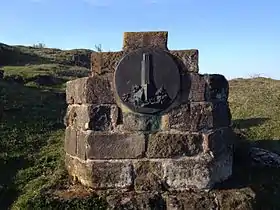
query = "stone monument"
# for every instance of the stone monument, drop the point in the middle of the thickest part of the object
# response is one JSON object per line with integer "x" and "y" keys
{"x": 146, "y": 120}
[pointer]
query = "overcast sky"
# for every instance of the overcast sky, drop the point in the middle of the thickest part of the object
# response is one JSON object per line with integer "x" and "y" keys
{"x": 237, "y": 38}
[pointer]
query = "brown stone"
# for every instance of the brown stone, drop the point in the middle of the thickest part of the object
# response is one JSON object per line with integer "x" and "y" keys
{"x": 75, "y": 142}
{"x": 199, "y": 200}
{"x": 135, "y": 40}
{"x": 140, "y": 122}
{"x": 239, "y": 199}
{"x": 102, "y": 145}
{"x": 148, "y": 176}
{"x": 167, "y": 145}
{"x": 105, "y": 62}
{"x": 193, "y": 87}
{"x": 132, "y": 200}
{"x": 90, "y": 90}
{"x": 101, "y": 174}
{"x": 92, "y": 117}
{"x": 219, "y": 142}
{"x": 70, "y": 141}
{"x": 198, "y": 116}
{"x": 186, "y": 59}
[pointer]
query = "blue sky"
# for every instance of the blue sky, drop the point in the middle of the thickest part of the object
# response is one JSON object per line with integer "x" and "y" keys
{"x": 237, "y": 38}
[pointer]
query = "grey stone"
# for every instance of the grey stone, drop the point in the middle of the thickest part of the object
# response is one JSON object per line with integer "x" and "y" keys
{"x": 102, "y": 145}
{"x": 200, "y": 172}
{"x": 167, "y": 145}
{"x": 101, "y": 174}
{"x": 90, "y": 90}
{"x": 188, "y": 172}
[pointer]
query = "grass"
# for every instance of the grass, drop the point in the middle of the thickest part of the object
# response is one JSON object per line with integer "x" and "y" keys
{"x": 32, "y": 132}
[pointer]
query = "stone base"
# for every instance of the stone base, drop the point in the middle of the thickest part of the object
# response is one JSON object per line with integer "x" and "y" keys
{"x": 196, "y": 172}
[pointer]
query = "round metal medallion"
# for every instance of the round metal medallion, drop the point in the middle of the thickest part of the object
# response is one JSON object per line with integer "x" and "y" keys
{"x": 147, "y": 80}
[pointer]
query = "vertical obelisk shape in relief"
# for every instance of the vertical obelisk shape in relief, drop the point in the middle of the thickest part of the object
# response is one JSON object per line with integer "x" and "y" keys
{"x": 145, "y": 75}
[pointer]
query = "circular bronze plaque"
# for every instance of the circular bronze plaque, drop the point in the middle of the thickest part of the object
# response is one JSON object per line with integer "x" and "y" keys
{"x": 147, "y": 80}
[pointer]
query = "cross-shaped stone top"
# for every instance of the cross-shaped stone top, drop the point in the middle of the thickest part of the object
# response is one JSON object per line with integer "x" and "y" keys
{"x": 106, "y": 62}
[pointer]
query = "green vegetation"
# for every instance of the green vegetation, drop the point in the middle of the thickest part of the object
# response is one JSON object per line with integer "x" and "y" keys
{"x": 32, "y": 132}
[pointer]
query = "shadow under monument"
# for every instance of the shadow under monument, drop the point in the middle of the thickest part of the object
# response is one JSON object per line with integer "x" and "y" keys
{"x": 264, "y": 181}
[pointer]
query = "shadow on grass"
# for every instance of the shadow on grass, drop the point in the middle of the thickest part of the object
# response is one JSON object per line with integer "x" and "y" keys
{"x": 247, "y": 123}
{"x": 30, "y": 117}
{"x": 265, "y": 182}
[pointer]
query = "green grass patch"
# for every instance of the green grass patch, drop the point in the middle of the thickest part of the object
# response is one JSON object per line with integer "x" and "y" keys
{"x": 32, "y": 134}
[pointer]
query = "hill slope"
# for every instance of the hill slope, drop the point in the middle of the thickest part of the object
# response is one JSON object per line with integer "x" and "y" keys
{"x": 32, "y": 132}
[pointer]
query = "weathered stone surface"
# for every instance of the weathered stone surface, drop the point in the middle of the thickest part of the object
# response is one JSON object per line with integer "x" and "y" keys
{"x": 149, "y": 176}
{"x": 198, "y": 116}
{"x": 105, "y": 62}
{"x": 200, "y": 172}
{"x": 101, "y": 174}
{"x": 191, "y": 201}
{"x": 74, "y": 143}
{"x": 219, "y": 142}
{"x": 132, "y": 200}
{"x": 90, "y": 90}
{"x": 135, "y": 40}
{"x": 70, "y": 141}
{"x": 193, "y": 88}
{"x": 139, "y": 122}
{"x": 186, "y": 59}
{"x": 217, "y": 87}
{"x": 167, "y": 145}
{"x": 92, "y": 117}
{"x": 239, "y": 199}
{"x": 188, "y": 172}
{"x": 102, "y": 145}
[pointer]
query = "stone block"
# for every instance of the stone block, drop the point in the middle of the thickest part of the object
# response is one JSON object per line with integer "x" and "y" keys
{"x": 92, "y": 117}
{"x": 217, "y": 87}
{"x": 239, "y": 199}
{"x": 199, "y": 172}
{"x": 193, "y": 88}
{"x": 90, "y": 90}
{"x": 168, "y": 145}
{"x": 186, "y": 59}
{"x": 198, "y": 116}
{"x": 101, "y": 174}
{"x": 135, "y": 40}
{"x": 140, "y": 122}
{"x": 102, "y": 145}
{"x": 148, "y": 176}
{"x": 132, "y": 200}
{"x": 105, "y": 62}
{"x": 195, "y": 200}
{"x": 219, "y": 142}
{"x": 74, "y": 143}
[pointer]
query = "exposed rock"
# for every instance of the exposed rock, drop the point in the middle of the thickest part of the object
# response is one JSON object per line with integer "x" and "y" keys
{"x": 264, "y": 158}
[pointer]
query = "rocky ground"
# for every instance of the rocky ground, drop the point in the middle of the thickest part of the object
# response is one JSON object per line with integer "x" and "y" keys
{"x": 32, "y": 131}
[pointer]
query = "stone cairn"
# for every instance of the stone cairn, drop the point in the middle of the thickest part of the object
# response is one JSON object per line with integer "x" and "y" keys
{"x": 146, "y": 120}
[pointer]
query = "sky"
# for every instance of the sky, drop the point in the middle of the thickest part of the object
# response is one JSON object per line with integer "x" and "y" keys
{"x": 236, "y": 38}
